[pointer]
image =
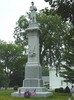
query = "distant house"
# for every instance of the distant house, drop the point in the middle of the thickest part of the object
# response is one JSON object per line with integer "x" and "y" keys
{"x": 56, "y": 81}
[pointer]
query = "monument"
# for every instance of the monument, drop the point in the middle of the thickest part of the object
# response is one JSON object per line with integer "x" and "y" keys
{"x": 33, "y": 83}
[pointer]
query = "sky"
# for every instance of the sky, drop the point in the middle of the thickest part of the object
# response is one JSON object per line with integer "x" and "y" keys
{"x": 10, "y": 11}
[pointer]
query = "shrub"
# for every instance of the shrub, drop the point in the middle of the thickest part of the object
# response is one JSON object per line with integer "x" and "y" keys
{"x": 60, "y": 90}
{"x": 67, "y": 90}
{"x": 15, "y": 87}
{"x": 57, "y": 90}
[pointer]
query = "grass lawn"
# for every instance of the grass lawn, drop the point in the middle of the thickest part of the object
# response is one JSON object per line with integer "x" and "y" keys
{"x": 6, "y": 95}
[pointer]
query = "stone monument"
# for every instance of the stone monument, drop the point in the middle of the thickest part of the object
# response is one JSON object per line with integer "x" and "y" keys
{"x": 33, "y": 82}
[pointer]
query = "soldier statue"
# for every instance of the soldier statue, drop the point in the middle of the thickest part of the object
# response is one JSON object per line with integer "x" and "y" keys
{"x": 33, "y": 10}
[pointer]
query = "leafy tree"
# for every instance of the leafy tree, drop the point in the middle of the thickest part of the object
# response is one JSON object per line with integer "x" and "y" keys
{"x": 64, "y": 8}
{"x": 68, "y": 58}
{"x": 2, "y": 78}
{"x": 53, "y": 29}
{"x": 12, "y": 60}
{"x": 19, "y": 33}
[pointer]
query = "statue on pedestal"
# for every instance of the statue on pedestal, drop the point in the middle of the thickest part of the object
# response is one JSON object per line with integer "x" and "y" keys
{"x": 33, "y": 10}
{"x": 32, "y": 83}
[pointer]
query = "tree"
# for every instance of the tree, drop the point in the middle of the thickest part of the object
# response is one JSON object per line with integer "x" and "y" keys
{"x": 12, "y": 60}
{"x": 19, "y": 33}
{"x": 53, "y": 29}
{"x": 2, "y": 77}
{"x": 64, "y": 8}
{"x": 68, "y": 58}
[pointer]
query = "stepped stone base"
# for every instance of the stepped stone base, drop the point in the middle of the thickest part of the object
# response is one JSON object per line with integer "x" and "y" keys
{"x": 39, "y": 92}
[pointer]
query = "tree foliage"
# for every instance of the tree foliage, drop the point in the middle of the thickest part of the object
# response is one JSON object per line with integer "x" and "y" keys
{"x": 68, "y": 57}
{"x": 65, "y": 9}
{"x": 12, "y": 61}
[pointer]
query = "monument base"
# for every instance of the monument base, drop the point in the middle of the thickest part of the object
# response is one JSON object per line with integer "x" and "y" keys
{"x": 34, "y": 92}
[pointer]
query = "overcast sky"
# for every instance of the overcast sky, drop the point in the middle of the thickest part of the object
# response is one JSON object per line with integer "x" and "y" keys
{"x": 10, "y": 11}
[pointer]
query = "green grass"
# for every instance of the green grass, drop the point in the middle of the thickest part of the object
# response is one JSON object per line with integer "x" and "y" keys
{"x": 6, "y": 95}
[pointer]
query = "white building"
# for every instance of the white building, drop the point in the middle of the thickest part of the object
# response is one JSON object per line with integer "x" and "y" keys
{"x": 56, "y": 81}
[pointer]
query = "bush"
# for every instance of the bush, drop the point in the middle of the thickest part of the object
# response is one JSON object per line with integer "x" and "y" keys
{"x": 67, "y": 90}
{"x": 57, "y": 90}
{"x": 16, "y": 87}
{"x": 60, "y": 90}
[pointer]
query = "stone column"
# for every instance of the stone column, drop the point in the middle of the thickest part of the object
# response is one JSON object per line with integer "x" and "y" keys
{"x": 33, "y": 70}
